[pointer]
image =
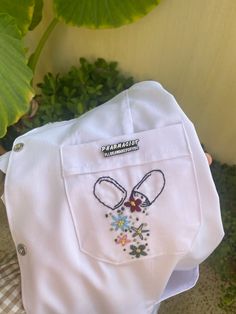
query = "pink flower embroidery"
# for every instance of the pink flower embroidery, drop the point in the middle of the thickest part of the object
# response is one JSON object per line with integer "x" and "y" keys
{"x": 123, "y": 240}
{"x": 134, "y": 204}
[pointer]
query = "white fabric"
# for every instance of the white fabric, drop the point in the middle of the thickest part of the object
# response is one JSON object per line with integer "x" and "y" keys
{"x": 114, "y": 234}
{"x": 3, "y": 169}
{"x": 4, "y": 162}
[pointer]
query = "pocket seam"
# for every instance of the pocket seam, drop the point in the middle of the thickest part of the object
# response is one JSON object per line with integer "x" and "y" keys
{"x": 76, "y": 227}
{"x": 75, "y": 157}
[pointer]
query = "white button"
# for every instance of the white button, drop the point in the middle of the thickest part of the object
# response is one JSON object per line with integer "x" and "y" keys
{"x": 18, "y": 147}
{"x": 21, "y": 249}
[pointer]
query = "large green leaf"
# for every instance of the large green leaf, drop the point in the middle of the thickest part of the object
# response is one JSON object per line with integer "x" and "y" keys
{"x": 102, "y": 13}
{"x": 15, "y": 76}
{"x": 21, "y": 10}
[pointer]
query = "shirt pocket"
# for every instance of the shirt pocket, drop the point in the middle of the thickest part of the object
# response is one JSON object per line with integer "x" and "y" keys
{"x": 133, "y": 197}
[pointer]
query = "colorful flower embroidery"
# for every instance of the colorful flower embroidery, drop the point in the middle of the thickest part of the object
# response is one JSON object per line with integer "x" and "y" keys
{"x": 134, "y": 204}
{"x": 139, "y": 231}
{"x": 137, "y": 251}
{"x": 127, "y": 218}
{"x": 120, "y": 222}
{"x": 123, "y": 240}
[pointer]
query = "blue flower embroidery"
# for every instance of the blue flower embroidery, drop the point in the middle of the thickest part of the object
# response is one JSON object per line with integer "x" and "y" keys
{"x": 120, "y": 222}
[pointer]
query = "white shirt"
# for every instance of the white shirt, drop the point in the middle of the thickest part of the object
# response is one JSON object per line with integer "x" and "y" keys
{"x": 111, "y": 212}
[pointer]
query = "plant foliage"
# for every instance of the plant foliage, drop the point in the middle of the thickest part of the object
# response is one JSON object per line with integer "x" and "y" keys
{"x": 15, "y": 76}
{"x": 37, "y": 14}
{"x": 68, "y": 96}
{"x": 16, "y": 17}
{"x": 26, "y": 15}
{"x": 102, "y": 13}
{"x": 84, "y": 87}
{"x": 223, "y": 259}
{"x": 22, "y": 12}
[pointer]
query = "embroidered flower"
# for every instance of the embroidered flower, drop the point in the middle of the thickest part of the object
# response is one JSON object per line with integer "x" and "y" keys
{"x": 134, "y": 204}
{"x": 138, "y": 231}
{"x": 123, "y": 240}
{"x": 120, "y": 222}
{"x": 137, "y": 251}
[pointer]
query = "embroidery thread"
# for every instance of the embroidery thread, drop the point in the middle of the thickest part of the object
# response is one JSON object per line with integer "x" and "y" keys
{"x": 123, "y": 240}
{"x": 123, "y": 224}
{"x": 107, "y": 183}
{"x": 133, "y": 204}
{"x": 138, "y": 232}
{"x": 157, "y": 177}
{"x": 137, "y": 251}
{"x": 120, "y": 222}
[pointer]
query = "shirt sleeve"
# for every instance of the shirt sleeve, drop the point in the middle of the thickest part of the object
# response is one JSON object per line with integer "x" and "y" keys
{"x": 4, "y": 162}
{"x": 208, "y": 238}
{"x": 3, "y": 169}
{"x": 211, "y": 231}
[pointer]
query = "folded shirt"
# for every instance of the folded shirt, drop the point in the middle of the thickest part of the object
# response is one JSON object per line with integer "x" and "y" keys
{"x": 114, "y": 211}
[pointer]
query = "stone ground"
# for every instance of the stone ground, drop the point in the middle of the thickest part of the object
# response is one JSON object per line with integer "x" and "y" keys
{"x": 202, "y": 299}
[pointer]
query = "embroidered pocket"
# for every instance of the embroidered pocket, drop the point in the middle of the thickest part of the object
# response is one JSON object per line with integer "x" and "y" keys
{"x": 134, "y": 205}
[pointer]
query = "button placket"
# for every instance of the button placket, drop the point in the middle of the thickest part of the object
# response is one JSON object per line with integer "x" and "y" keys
{"x": 21, "y": 248}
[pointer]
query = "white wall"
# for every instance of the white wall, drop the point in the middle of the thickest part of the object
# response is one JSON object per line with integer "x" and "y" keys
{"x": 188, "y": 46}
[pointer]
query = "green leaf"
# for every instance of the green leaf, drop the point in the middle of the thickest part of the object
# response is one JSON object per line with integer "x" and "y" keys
{"x": 33, "y": 59}
{"x": 15, "y": 76}
{"x": 102, "y": 13}
{"x": 37, "y": 15}
{"x": 21, "y": 10}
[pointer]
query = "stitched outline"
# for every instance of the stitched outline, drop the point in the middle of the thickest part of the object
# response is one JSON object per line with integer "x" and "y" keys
{"x": 116, "y": 184}
{"x": 138, "y": 232}
{"x": 140, "y": 244}
{"x": 147, "y": 175}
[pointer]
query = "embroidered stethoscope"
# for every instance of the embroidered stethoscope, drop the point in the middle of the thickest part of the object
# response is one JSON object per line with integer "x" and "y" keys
{"x": 127, "y": 217}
